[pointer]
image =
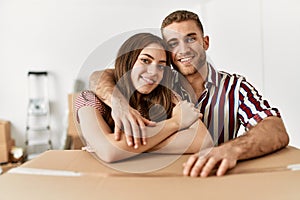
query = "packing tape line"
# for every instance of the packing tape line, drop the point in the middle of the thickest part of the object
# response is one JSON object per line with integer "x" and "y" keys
{"x": 294, "y": 167}
{"x": 44, "y": 172}
{"x": 51, "y": 172}
{"x": 291, "y": 167}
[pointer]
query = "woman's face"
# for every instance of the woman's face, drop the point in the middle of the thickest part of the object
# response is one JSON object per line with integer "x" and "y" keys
{"x": 148, "y": 70}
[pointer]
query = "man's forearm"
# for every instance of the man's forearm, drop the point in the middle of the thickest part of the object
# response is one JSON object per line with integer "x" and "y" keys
{"x": 267, "y": 136}
{"x": 102, "y": 83}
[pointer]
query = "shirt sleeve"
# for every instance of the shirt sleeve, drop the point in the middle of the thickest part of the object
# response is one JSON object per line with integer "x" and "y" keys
{"x": 252, "y": 107}
{"x": 88, "y": 98}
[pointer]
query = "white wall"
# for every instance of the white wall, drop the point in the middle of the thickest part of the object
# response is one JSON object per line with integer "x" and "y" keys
{"x": 59, "y": 36}
{"x": 282, "y": 61}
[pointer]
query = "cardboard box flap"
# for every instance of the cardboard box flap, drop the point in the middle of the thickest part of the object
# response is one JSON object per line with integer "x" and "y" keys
{"x": 162, "y": 185}
{"x": 152, "y": 164}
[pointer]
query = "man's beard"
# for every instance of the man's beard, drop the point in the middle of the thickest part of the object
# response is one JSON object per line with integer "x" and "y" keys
{"x": 192, "y": 69}
{"x": 186, "y": 71}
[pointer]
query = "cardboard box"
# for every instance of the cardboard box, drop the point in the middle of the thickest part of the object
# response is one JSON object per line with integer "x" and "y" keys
{"x": 73, "y": 127}
{"x": 4, "y": 153}
{"x": 76, "y": 174}
{"x": 5, "y": 141}
{"x": 5, "y": 134}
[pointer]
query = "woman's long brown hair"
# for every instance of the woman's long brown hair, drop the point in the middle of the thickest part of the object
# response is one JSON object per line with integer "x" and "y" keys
{"x": 157, "y": 105}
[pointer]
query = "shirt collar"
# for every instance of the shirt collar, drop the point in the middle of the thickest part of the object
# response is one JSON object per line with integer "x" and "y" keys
{"x": 212, "y": 75}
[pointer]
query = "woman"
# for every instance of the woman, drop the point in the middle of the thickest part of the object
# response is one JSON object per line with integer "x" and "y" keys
{"x": 142, "y": 74}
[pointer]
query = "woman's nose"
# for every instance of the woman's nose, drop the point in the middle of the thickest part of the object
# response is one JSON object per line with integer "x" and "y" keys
{"x": 152, "y": 69}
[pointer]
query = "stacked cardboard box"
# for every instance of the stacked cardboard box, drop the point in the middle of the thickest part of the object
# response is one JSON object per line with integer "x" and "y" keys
{"x": 6, "y": 142}
{"x": 74, "y": 132}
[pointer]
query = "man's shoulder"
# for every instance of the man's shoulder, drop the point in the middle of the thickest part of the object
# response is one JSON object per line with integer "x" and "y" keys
{"x": 231, "y": 75}
{"x": 232, "y": 80}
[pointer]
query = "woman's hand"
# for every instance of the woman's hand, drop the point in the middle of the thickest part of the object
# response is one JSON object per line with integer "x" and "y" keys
{"x": 185, "y": 114}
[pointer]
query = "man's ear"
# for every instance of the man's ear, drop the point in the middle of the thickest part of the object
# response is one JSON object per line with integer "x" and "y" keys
{"x": 206, "y": 42}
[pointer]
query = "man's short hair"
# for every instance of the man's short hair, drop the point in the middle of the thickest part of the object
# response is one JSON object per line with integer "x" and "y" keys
{"x": 182, "y": 15}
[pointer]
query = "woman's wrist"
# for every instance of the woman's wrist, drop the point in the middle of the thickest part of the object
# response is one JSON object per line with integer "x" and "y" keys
{"x": 175, "y": 123}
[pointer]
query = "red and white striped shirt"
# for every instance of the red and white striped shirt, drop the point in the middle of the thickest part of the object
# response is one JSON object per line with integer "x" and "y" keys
{"x": 227, "y": 102}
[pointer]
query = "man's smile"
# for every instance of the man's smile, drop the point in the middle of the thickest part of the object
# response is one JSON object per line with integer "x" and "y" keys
{"x": 186, "y": 59}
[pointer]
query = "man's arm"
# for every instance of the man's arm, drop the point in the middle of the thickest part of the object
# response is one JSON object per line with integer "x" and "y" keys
{"x": 267, "y": 136}
{"x": 102, "y": 83}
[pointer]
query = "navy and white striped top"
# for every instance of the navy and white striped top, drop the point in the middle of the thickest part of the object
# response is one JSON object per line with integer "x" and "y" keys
{"x": 227, "y": 102}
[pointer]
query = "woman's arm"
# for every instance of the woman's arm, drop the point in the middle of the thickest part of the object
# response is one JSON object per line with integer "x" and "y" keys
{"x": 98, "y": 135}
{"x": 190, "y": 140}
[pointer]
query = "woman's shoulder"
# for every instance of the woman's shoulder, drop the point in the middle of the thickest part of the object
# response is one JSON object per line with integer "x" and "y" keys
{"x": 176, "y": 98}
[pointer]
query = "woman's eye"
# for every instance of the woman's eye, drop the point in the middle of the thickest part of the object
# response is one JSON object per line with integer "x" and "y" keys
{"x": 145, "y": 61}
{"x": 161, "y": 67}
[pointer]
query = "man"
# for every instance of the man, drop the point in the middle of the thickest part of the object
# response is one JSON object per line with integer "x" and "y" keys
{"x": 226, "y": 101}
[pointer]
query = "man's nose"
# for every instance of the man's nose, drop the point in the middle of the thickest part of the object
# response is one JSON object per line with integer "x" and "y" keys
{"x": 183, "y": 47}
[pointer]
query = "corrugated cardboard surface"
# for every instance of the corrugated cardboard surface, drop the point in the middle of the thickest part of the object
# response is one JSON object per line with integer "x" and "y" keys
{"x": 5, "y": 140}
{"x": 4, "y": 131}
{"x": 73, "y": 127}
{"x": 5, "y": 151}
{"x": 97, "y": 181}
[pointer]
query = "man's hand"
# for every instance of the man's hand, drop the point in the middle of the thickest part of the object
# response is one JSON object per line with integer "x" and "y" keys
{"x": 221, "y": 158}
{"x": 129, "y": 120}
{"x": 267, "y": 136}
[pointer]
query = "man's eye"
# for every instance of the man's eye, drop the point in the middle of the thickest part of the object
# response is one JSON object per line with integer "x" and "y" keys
{"x": 190, "y": 39}
{"x": 173, "y": 44}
